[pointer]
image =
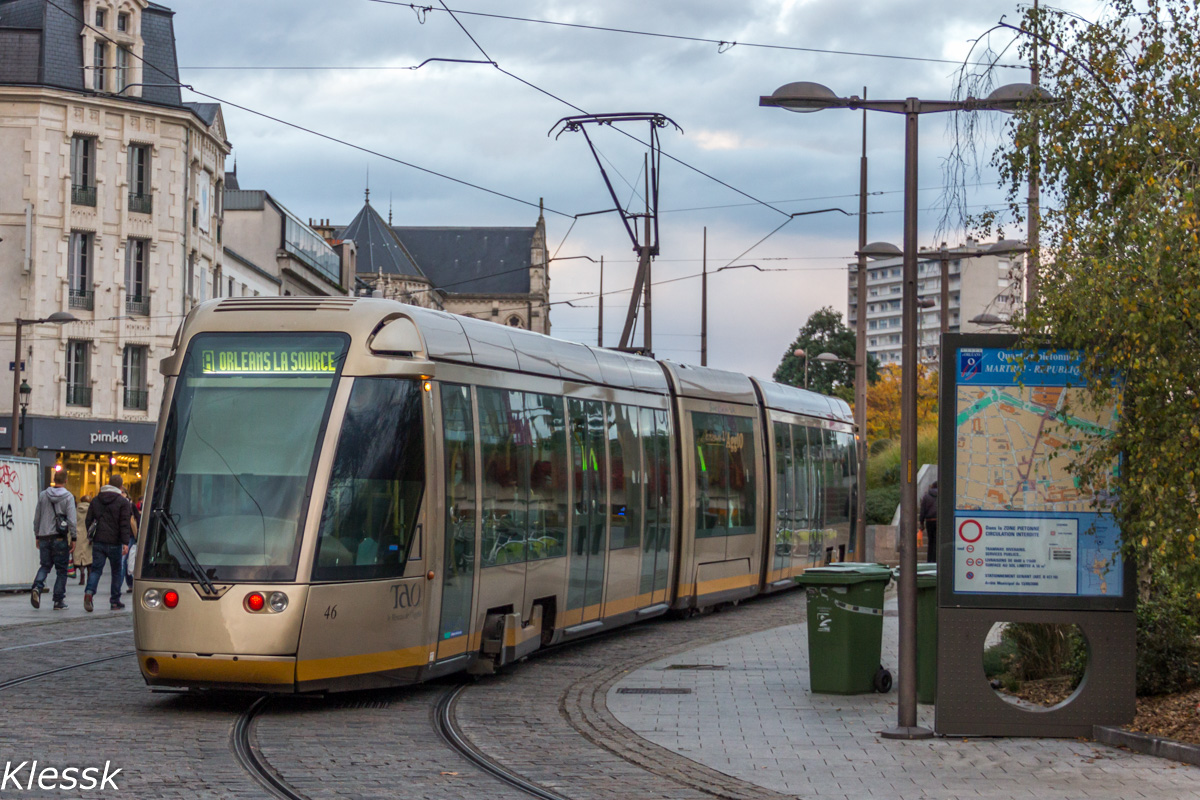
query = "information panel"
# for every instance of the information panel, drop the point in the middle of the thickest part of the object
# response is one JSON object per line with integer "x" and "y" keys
{"x": 1022, "y": 523}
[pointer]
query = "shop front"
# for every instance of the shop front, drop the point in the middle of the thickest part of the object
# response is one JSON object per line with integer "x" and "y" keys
{"x": 90, "y": 452}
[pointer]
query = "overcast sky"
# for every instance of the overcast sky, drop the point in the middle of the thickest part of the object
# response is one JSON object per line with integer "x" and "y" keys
{"x": 475, "y": 123}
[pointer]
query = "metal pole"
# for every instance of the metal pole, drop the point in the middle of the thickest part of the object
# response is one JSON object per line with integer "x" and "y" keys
{"x": 906, "y": 710}
{"x": 806, "y": 368}
{"x": 944, "y": 255}
{"x": 704, "y": 303}
{"x": 646, "y": 328}
{"x": 1031, "y": 266}
{"x": 600, "y": 317}
{"x": 12, "y": 439}
{"x": 860, "y": 350}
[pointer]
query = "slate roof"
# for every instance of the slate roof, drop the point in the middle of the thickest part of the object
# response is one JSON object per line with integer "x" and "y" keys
{"x": 379, "y": 250}
{"x": 471, "y": 260}
{"x": 205, "y": 111}
{"x": 40, "y": 45}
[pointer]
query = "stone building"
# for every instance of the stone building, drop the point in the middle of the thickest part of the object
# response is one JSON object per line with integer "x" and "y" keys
{"x": 493, "y": 273}
{"x": 110, "y": 210}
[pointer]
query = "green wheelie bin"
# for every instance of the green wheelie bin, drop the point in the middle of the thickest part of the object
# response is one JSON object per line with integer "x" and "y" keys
{"x": 926, "y": 630}
{"x": 845, "y": 628}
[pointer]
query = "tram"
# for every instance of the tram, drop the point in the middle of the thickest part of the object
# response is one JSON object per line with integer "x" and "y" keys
{"x": 350, "y": 493}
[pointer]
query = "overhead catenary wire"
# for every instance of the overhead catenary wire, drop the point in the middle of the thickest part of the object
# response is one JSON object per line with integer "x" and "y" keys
{"x": 722, "y": 44}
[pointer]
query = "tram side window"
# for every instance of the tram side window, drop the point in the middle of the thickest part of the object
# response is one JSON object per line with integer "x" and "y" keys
{"x": 376, "y": 484}
{"x": 726, "y": 495}
{"x": 785, "y": 502}
{"x": 458, "y": 438}
{"x": 504, "y": 440}
{"x": 662, "y": 433}
{"x": 548, "y": 512}
{"x": 626, "y": 477}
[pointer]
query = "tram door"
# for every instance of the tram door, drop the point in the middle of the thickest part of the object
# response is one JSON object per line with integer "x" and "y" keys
{"x": 459, "y": 485}
{"x": 585, "y": 588}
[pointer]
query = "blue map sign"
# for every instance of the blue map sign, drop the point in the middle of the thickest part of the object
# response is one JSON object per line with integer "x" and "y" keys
{"x": 1023, "y": 524}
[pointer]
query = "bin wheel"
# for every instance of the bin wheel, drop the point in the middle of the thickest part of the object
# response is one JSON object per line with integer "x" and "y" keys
{"x": 883, "y": 680}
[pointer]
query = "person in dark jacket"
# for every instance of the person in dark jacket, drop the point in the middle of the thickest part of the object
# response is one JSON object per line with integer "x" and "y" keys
{"x": 928, "y": 521}
{"x": 112, "y": 514}
{"x": 54, "y": 545}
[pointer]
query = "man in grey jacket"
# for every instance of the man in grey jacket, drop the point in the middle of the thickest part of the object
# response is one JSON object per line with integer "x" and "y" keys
{"x": 54, "y": 529}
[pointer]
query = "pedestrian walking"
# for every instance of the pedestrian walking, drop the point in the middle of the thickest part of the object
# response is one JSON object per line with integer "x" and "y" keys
{"x": 54, "y": 531}
{"x": 928, "y": 521}
{"x": 83, "y": 545}
{"x": 127, "y": 560}
{"x": 112, "y": 515}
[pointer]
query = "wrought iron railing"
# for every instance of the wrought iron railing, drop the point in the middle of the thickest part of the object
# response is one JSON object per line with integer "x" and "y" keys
{"x": 83, "y": 195}
{"x": 79, "y": 395}
{"x": 80, "y": 298}
{"x": 137, "y": 398}
{"x": 140, "y": 203}
{"x": 137, "y": 304}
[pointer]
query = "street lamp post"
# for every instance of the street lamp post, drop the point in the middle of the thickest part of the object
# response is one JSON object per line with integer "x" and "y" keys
{"x": 799, "y": 352}
{"x": 804, "y": 96}
{"x": 58, "y": 318}
{"x": 25, "y": 390}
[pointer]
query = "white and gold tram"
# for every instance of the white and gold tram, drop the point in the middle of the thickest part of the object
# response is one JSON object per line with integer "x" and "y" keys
{"x": 351, "y": 493}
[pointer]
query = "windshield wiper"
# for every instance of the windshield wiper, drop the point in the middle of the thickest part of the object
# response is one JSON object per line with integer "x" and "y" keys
{"x": 189, "y": 558}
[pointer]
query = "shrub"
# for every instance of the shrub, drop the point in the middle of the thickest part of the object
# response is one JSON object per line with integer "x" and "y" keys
{"x": 881, "y": 504}
{"x": 1168, "y": 637}
{"x": 1041, "y": 650}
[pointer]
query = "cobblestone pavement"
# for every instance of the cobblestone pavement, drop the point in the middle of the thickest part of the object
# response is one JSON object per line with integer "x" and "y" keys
{"x": 547, "y": 719}
{"x": 755, "y": 719}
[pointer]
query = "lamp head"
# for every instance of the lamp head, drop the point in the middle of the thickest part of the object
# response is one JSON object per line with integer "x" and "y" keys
{"x": 803, "y": 97}
{"x": 25, "y": 390}
{"x": 1007, "y": 247}
{"x": 880, "y": 250}
{"x": 1015, "y": 96}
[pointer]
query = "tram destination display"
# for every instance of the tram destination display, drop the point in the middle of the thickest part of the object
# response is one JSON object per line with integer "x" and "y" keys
{"x": 1022, "y": 523}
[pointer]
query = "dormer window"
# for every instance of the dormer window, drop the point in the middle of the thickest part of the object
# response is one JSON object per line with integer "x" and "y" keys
{"x": 98, "y": 56}
{"x": 101, "y": 17}
{"x": 123, "y": 23}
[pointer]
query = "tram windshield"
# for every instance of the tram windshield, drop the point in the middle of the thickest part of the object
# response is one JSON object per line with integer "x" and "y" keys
{"x": 238, "y": 451}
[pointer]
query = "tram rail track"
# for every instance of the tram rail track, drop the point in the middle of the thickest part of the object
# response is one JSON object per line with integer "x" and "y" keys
{"x": 65, "y": 668}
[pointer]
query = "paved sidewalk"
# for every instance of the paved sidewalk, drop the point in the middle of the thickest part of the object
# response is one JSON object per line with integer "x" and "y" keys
{"x": 15, "y": 608}
{"x": 756, "y": 720}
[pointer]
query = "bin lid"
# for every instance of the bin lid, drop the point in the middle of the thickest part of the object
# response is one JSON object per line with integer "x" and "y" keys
{"x": 926, "y": 575}
{"x": 844, "y": 574}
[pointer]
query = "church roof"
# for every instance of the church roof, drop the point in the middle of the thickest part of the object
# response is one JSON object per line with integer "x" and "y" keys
{"x": 379, "y": 250}
{"x": 471, "y": 260}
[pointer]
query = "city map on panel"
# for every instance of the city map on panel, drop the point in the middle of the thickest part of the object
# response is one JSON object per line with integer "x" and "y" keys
{"x": 1023, "y": 522}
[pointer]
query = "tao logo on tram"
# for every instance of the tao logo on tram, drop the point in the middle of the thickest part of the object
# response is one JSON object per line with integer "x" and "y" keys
{"x": 406, "y": 595}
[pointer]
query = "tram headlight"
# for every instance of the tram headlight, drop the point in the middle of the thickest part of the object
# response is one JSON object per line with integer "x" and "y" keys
{"x": 152, "y": 598}
{"x": 278, "y": 601}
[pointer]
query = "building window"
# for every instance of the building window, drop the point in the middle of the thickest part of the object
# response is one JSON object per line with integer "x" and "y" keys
{"x": 101, "y": 17}
{"x": 99, "y": 53}
{"x": 79, "y": 388}
{"x": 139, "y": 178}
{"x": 83, "y": 171}
{"x": 122, "y": 68}
{"x": 133, "y": 372}
{"x": 123, "y": 23}
{"x": 136, "y": 299}
{"x": 514, "y": 322}
{"x": 230, "y": 292}
{"x": 79, "y": 271}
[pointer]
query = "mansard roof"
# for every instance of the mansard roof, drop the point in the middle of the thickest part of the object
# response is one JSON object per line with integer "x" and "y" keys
{"x": 42, "y": 46}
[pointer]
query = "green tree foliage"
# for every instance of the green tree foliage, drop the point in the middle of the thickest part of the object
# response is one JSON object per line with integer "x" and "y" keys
{"x": 1119, "y": 154}
{"x": 824, "y": 333}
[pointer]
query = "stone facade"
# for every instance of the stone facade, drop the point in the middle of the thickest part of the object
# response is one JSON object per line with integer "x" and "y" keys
{"x": 84, "y": 240}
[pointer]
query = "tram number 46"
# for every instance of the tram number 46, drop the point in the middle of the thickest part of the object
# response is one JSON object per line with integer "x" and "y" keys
{"x": 331, "y": 612}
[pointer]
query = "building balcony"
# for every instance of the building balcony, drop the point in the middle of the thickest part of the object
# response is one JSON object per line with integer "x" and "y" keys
{"x": 83, "y": 195}
{"x": 140, "y": 203}
{"x": 79, "y": 395}
{"x": 137, "y": 304}
{"x": 137, "y": 399}
{"x": 79, "y": 298}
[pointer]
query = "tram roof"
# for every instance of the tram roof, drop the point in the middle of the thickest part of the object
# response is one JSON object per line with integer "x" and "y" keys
{"x": 782, "y": 397}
